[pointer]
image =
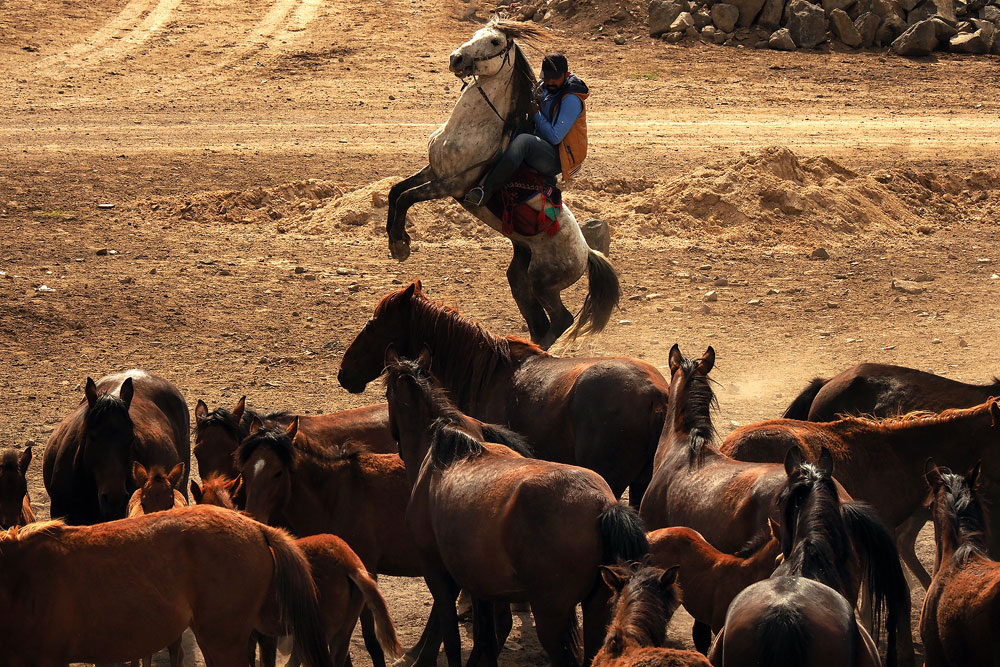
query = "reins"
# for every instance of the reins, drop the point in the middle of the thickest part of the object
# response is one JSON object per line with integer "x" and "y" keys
{"x": 475, "y": 79}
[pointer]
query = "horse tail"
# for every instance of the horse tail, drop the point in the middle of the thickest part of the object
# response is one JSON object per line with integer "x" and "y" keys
{"x": 602, "y": 297}
{"x": 385, "y": 630}
{"x": 884, "y": 582}
{"x": 799, "y": 409}
{"x": 783, "y": 638}
{"x": 508, "y": 438}
{"x": 451, "y": 444}
{"x": 296, "y": 593}
{"x": 622, "y": 535}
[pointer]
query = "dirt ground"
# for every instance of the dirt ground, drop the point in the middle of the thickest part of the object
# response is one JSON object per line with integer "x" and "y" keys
{"x": 244, "y": 144}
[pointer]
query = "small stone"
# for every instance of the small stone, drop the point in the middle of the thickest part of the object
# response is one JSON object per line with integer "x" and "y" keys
{"x": 624, "y": 322}
{"x": 908, "y": 287}
{"x": 620, "y": 40}
{"x": 772, "y": 291}
{"x": 720, "y": 282}
{"x": 673, "y": 37}
{"x": 300, "y": 269}
{"x": 975, "y": 43}
{"x": 44, "y": 288}
{"x": 341, "y": 271}
{"x": 711, "y": 296}
{"x": 962, "y": 343}
{"x": 310, "y": 276}
{"x": 353, "y": 287}
{"x": 832, "y": 304}
{"x": 705, "y": 310}
{"x": 378, "y": 199}
{"x": 677, "y": 309}
{"x": 889, "y": 347}
{"x": 106, "y": 206}
{"x": 102, "y": 252}
{"x": 152, "y": 271}
{"x": 754, "y": 302}
{"x": 819, "y": 253}
{"x": 636, "y": 297}
{"x": 781, "y": 40}
{"x": 923, "y": 278}
{"x": 683, "y": 21}
{"x": 994, "y": 277}
{"x": 655, "y": 295}
{"x": 936, "y": 341}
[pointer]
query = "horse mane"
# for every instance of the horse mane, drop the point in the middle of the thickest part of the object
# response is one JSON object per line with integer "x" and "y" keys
{"x": 701, "y": 401}
{"x": 649, "y": 610}
{"x": 223, "y": 418}
{"x": 288, "y": 450}
{"x": 51, "y": 528}
{"x": 468, "y": 356}
{"x": 964, "y": 510}
{"x": 515, "y": 29}
{"x": 106, "y": 405}
{"x": 8, "y": 457}
{"x": 908, "y": 419}
{"x": 450, "y": 445}
{"x": 445, "y": 412}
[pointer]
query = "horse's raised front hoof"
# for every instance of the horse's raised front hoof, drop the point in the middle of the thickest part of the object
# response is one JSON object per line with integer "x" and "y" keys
{"x": 400, "y": 249}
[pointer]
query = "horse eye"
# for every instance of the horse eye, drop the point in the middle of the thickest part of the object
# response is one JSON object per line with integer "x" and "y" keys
{"x": 496, "y": 42}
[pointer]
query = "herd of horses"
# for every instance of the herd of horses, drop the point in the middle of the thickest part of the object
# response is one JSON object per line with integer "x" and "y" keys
{"x": 495, "y": 469}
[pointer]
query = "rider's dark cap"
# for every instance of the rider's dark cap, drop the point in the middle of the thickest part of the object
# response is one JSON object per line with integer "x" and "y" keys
{"x": 554, "y": 64}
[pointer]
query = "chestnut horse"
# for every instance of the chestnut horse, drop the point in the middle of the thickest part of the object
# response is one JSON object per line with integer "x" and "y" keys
{"x": 130, "y": 416}
{"x": 218, "y": 433}
{"x": 709, "y": 578}
{"x": 502, "y": 527}
{"x": 602, "y": 413}
{"x": 161, "y": 566}
{"x": 880, "y": 461}
{"x": 15, "y": 507}
{"x": 644, "y": 599}
{"x": 356, "y": 495}
{"x": 729, "y": 501}
{"x": 801, "y": 614}
{"x": 881, "y": 390}
{"x": 216, "y": 490}
{"x": 960, "y": 619}
{"x": 158, "y": 489}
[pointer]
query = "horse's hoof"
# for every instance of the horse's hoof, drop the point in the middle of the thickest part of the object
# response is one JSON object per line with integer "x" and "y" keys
{"x": 400, "y": 249}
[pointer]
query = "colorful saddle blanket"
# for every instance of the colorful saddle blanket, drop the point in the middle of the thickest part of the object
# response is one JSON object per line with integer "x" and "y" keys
{"x": 510, "y": 204}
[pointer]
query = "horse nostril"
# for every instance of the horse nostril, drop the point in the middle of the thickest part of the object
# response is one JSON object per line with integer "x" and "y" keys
{"x": 456, "y": 60}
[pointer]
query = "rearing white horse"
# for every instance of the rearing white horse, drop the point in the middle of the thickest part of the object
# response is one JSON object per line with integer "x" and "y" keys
{"x": 465, "y": 146}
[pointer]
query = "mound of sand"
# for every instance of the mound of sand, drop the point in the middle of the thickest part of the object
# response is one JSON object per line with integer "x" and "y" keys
{"x": 255, "y": 205}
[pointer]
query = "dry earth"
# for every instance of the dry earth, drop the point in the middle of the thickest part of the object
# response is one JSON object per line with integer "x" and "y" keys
{"x": 241, "y": 139}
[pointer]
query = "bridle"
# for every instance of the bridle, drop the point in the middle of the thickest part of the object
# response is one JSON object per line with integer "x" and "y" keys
{"x": 505, "y": 52}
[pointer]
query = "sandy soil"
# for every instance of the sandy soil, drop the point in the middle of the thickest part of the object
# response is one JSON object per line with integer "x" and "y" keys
{"x": 240, "y": 140}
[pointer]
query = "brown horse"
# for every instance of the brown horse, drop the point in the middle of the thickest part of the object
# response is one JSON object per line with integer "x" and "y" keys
{"x": 126, "y": 588}
{"x": 644, "y": 600}
{"x": 216, "y": 490}
{"x": 880, "y": 461}
{"x": 709, "y": 578}
{"x": 158, "y": 489}
{"x": 356, "y": 495}
{"x": 602, "y": 413}
{"x": 960, "y": 619}
{"x": 801, "y": 614}
{"x": 502, "y": 527}
{"x": 729, "y": 502}
{"x": 218, "y": 433}
{"x": 131, "y": 416}
{"x": 881, "y": 390}
{"x": 15, "y": 507}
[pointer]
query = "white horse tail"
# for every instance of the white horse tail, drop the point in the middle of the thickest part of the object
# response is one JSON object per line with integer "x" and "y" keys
{"x": 602, "y": 297}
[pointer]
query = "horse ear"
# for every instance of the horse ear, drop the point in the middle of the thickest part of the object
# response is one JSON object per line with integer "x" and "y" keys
{"x": 424, "y": 359}
{"x": 972, "y": 477}
{"x": 175, "y": 474}
{"x": 707, "y": 362}
{"x": 256, "y": 425}
{"x": 933, "y": 475}
{"x": 126, "y": 392}
{"x": 826, "y": 462}
{"x": 293, "y": 428}
{"x": 774, "y": 527}
{"x": 200, "y": 411}
{"x": 24, "y": 460}
{"x": 235, "y": 486}
{"x": 410, "y": 289}
{"x": 675, "y": 358}
{"x": 241, "y": 405}
{"x": 139, "y": 473}
{"x": 91, "y": 392}
{"x": 612, "y": 578}
{"x": 391, "y": 356}
{"x": 995, "y": 412}
{"x": 419, "y": 285}
{"x": 195, "y": 492}
{"x": 793, "y": 459}
{"x": 669, "y": 576}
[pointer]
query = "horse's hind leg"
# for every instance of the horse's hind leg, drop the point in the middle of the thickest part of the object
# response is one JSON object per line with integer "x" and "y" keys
{"x": 906, "y": 540}
{"x": 399, "y": 240}
{"x": 558, "y": 634}
{"x": 560, "y": 319}
{"x": 637, "y": 489}
{"x": 596, "y": 616}
{"x": 484, "y": 635}
{"x": 701, "y": 635}
{"x": 523, "y": 293}
{"x": 419, "y": 178}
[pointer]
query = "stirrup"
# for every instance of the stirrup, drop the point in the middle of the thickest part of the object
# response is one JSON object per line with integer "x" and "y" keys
{"x": 475, "y": 196}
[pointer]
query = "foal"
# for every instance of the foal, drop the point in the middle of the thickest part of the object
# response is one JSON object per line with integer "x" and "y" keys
{"x": 157, "y": 490}
{"x": 960, "y": 619}
{"x": 15, "y": 508}
{"x": 644, "y": 600}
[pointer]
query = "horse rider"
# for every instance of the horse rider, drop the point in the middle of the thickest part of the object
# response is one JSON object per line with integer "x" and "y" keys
{"x": 559, "y": 142}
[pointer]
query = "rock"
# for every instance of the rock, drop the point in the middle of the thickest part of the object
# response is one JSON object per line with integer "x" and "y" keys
{"x": 843, "y": 28}
{"x": 662, "y": 13}
{"x": 754, "y": 302}
{"x": 806, "y": 23}
{"x": 620, "y": 40}
{"x": 683, "y": 21}
{"x": 946, "y": 9}
{"x": 884, "y": 8}
{"x": 908, "y": 287}
{"x": 830, "y": 5}
{"x": 989, "y": 30}
{"x": 943, "y": 29}
{"x": 923, "y": 278}
{"x": 711, "y": 297}
{"x": 725, "y": 16}
{"x": 709, "y": 33}
{"x": 343, "y": 271}
{"x": 702, "y": 18}
{"x": 819, "y": 253}
{"x": 891, "y": 28}
{"x": 598, "y": 235}
{"x": 867, "y": 26}
{"x": 918, "y": 40}
{"x": 858, "y": 8}
{"x": 749, "y": 9}
{"x": 770, "y": 15}
{"x": 990, "y": 13}
{"x": 921, "y": 12}
{"x": 974, "y": 42}
{"x": 379, "y": 200}
{"x": 673, "y": 37}
{"x": 781, "y": 40}
{"x": 691, "y": 31}
{"x": 962, "y": 343}
{"x": 705, "y": 310}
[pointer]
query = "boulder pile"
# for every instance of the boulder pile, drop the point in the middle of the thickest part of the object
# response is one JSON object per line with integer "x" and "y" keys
{"x": 910, "y": 27}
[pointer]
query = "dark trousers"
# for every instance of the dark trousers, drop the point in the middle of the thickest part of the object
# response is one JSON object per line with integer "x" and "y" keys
{"x": 538, "y": 153}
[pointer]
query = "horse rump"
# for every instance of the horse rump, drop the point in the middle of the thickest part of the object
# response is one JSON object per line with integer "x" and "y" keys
{"x": 623, "y": 537}
{"x": 783, "y": 637}
{"x": 799, "y": 408}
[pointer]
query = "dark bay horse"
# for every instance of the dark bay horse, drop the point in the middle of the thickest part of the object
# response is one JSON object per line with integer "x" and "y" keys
{"x": 801, "y": 614}
{"x": 960, "y": 619}
{"x": 644, "y": 599}
{"x": 880, "y": 461}
{"x": 881, "y": 390}
{"x": 710, "y": 579}
{"x": 602, "y": 413}
{"x": 502, "y": 527}
{"x": 15, "y": 507}
{"x": 359, "y": 496}
{"x": 130, "y": 416}
{"x": 218, "y": 433}
{"x": 127, "y": 588}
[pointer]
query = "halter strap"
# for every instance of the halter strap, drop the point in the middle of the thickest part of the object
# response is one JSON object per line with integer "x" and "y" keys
{"x": 505, "y": 52}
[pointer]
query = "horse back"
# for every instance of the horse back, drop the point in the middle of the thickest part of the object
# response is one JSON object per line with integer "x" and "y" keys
{"x": 366, "y": 426}
{"x": 962, "y": 609}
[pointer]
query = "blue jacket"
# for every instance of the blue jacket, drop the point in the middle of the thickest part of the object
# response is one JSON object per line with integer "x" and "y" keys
{"x": 554, "y": 130}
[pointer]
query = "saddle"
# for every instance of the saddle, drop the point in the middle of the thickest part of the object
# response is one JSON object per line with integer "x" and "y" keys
{"x": 512, "y": 204}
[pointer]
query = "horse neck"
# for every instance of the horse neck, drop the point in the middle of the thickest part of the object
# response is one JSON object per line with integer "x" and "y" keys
{"x": 499, "y": 88}
{"x": 823, "y": 553}
{"x": 315, "y": 497}
{"x": 680, "y": 440}
{"x": 643, "y": 623}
